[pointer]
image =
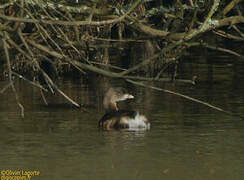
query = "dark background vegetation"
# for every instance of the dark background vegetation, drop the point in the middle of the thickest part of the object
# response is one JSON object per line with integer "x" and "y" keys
{"x": 130, "y": 39}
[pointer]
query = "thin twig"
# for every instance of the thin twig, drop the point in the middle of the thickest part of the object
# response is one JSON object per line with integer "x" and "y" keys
{"x": 43, "y": 97}
{"x": 30, "y": 82}
{"x": 227, "y": 35}
{"x": 10, "y": 75}
{"x": 186, "y": 97}
{"x": 6, "y": 87}
{"x": 223, "y": 50}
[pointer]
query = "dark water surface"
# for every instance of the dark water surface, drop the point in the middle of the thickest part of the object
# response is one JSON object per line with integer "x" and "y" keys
{"x": 186, "y": 140}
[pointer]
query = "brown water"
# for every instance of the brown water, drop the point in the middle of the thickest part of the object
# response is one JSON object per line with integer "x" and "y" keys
{"x": 186, "y": 140}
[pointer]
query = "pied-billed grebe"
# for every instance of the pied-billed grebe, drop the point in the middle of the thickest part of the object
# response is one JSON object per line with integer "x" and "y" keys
{"x": 115, "y": 118}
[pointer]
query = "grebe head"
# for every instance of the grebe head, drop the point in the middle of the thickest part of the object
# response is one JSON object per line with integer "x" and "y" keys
{"x": 113, "y": 96}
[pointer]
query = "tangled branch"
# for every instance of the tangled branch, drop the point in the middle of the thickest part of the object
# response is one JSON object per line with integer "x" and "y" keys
{"x": 72, "y": 38}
